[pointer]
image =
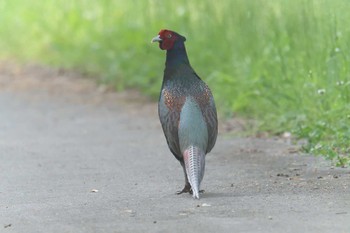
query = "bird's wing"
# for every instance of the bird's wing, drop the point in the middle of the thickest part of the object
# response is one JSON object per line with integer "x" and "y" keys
{"x": 210, "y": 116}
{"x": 206, "y": 102}
{"x": 169, "y": 114}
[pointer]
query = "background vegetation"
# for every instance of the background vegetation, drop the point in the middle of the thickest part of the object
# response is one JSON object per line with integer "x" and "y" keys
{"x": 283, "y": 63}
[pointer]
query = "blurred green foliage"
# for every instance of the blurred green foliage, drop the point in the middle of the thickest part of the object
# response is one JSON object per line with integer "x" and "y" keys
{"x": 284, "y": 63}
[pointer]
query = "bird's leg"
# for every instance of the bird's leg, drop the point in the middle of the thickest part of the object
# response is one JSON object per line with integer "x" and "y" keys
{"x": 187, "y": 188}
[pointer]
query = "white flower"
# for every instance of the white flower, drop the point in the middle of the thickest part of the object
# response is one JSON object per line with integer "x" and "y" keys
{"x": 321, "y": 91}
{"x": 339, "y": 83}
{"x": 318, "y": 146}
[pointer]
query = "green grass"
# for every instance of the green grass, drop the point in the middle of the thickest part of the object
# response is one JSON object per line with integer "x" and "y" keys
{"x": 283, "y": 63}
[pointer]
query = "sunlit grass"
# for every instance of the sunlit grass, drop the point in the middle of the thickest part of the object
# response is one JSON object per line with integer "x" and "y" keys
{"x": 282, "y": 63}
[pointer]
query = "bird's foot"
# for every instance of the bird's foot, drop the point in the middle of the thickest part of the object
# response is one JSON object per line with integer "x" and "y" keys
{"x": 200, "y": 191}
{"x": 186, "y": 189}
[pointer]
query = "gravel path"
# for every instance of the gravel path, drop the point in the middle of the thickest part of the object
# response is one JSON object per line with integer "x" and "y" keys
{"x": 78, "y": 158}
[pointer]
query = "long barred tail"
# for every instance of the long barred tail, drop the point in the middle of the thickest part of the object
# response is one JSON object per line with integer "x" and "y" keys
{"x": 195, "y": 164}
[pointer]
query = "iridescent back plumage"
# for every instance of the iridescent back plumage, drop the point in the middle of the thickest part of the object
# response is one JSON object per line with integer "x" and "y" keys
{"x": 187, "y": 113}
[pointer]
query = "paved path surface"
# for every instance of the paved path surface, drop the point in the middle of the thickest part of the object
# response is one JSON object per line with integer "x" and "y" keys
{"x": 61, "y": 138}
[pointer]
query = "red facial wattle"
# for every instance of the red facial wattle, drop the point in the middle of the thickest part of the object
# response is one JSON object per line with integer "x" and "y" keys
{"x": 167, "y": 39}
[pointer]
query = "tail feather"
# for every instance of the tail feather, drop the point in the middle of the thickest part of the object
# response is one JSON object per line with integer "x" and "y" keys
{"x": 195, "y": 165}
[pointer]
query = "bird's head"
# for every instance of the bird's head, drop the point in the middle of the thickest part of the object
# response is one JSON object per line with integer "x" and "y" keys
{"x": 167, "y": 39}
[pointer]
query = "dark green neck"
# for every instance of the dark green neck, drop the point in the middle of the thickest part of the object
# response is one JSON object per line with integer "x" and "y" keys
{"x": 176, "y": 56}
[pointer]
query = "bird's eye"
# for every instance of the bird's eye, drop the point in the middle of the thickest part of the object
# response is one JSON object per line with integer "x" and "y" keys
{"x": 169, "y": 36}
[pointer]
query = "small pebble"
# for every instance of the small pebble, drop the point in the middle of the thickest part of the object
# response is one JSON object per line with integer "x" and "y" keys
{"x": 94, "y": 190}
{"x": 341, "y": 213}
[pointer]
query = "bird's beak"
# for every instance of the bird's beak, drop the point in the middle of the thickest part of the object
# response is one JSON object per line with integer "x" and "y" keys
{"x": 156, "y": 39}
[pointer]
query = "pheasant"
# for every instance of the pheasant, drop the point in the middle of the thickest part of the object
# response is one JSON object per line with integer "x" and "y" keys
{"x": 186, "y": 111}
